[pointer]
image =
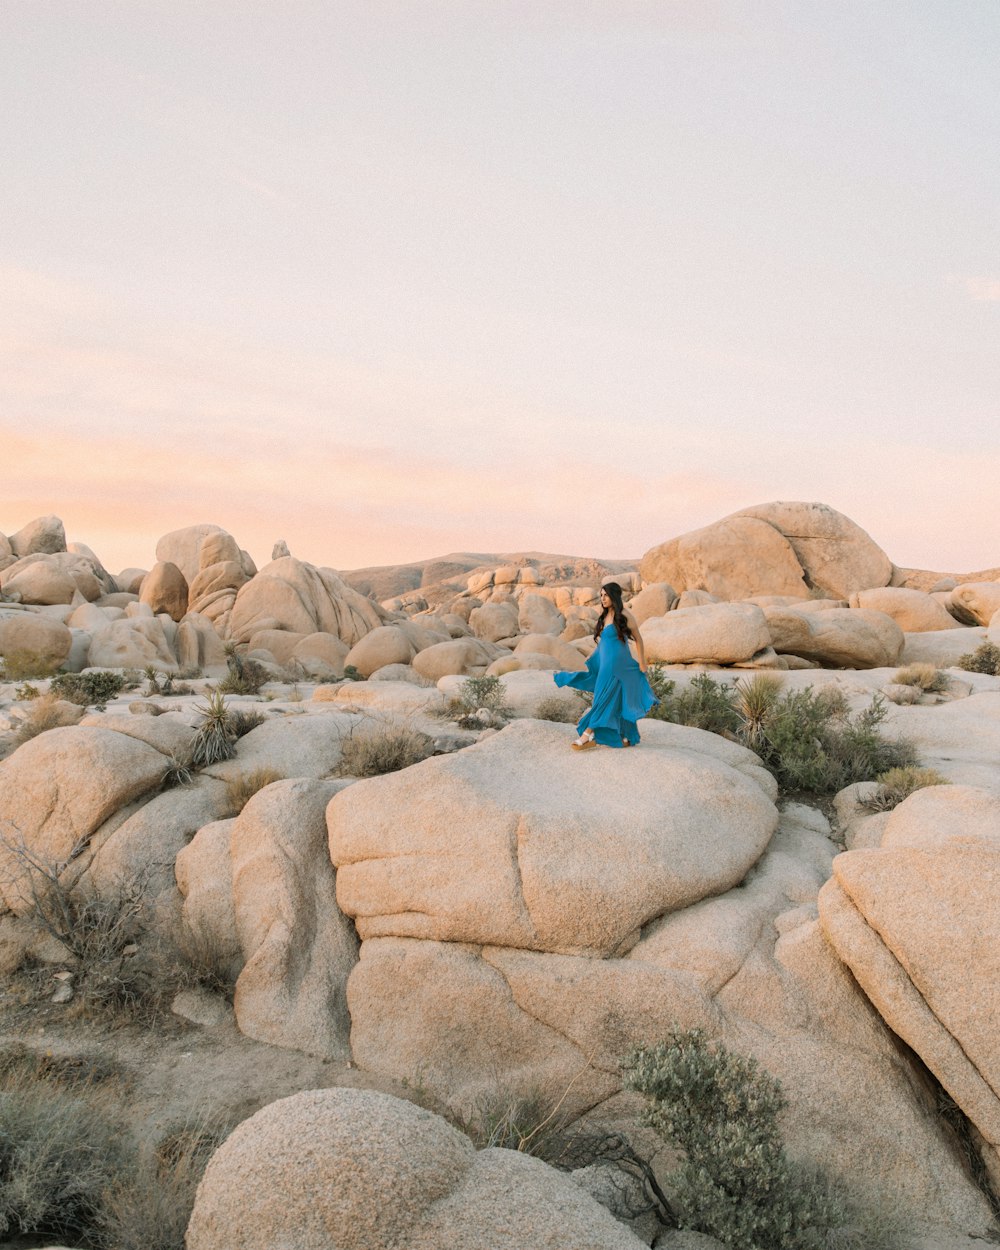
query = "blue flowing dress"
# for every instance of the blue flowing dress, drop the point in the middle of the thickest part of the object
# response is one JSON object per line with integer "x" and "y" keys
{"x": 622, "y": 693}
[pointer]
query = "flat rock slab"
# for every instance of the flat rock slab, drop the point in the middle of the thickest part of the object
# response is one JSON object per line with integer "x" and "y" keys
{"x": 520, "y": 841}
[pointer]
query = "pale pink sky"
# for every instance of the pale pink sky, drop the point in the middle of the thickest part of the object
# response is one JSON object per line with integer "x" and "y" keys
{"x": 393, "y": 279}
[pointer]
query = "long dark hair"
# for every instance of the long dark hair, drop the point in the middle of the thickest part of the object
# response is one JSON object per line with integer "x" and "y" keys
{"x": 614, "y": 593}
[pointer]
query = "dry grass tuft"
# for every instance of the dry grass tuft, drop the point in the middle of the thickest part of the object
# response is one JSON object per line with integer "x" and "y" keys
{"x": 383, "y": 749}
{"x": 46, "y": 712}
{"x": 898, "y": 784}
{"x": 562, "y": 711}
{"x": 930, "y": 679}
{"x": 241, "y": 788}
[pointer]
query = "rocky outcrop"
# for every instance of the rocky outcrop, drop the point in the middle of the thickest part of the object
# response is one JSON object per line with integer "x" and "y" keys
{"x": 837, "y": 637}
{"x": 913, "y": 611}
{"x": 357, "y": 1169}
{"x": 289, "y": 594}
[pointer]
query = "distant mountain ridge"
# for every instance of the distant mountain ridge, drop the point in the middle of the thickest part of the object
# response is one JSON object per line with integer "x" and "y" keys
{"x": 387, "y": 581}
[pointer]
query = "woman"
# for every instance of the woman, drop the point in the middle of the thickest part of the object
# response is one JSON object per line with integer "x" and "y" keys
{"x": 622, "y": 693}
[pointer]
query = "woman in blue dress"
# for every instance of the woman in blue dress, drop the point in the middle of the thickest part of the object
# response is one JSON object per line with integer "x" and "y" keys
{"x": 621, "y": 690}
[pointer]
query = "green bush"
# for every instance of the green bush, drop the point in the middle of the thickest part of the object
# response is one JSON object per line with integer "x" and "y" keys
{"x": 985, "y": 659}
{"x": 483, "y": 692}
{"x": 734, "y": 1181}
{"x": 242, "y": 721}
{"x": 91, "y": 689}
{"x": 352, "y": 673}
{"x": 704, "y": 704}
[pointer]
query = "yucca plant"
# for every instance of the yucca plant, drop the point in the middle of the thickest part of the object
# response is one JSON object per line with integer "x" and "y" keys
{"x": 755, "y": 700}
{"x": 215, "y": 740}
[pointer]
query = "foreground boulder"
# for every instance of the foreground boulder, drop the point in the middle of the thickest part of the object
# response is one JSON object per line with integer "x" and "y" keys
{"x": 471, "y": 848}
{"x": 918, "y": 923}
{"x": 348, "y": 1169}
{"x": 55, "y": 793}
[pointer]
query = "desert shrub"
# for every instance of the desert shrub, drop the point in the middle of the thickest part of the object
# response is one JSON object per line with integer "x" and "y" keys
{"x": 241, "y": 721}
{"x": 26, "y": 692}
{"x": 22, "y": 665}
{"x": 59, "y": 1151}
{"x": 704, "y": 704}
{"x": 662, "y": 685}
{"x": 719, "y": 1111}
{"x": 214, "y": 740}
{"x": 91, "y": 689}
{"x": 149, "y": 1206}
{"x": 926, "y": 676}
{"x": 985, "y": 659}
{"x": 560, "y": 710}
{"x": 810, "y": 741}
{"x": 241, "y": 788}
{"x": 202, "y": 961}
{"x": 244, "y": 676}
{"x": 383, "y": 749}
{"x": 756, "y": 698}
{"x": 483, "y": 692}
{"x": 352, "y": 673}
{"x": 43, "y": 715}
{"x": 898, "y": 784}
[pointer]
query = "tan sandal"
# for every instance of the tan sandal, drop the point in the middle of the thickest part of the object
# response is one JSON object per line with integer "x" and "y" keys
{"x": 584, "y": 742}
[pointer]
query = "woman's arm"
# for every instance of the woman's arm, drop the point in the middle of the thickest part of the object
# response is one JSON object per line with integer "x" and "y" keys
{"x": 633, "y": 625}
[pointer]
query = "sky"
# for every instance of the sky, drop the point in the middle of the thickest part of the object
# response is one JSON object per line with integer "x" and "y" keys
{"x": 390, "y": 279}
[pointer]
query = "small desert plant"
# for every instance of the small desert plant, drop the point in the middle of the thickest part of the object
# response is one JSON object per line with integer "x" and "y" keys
{"x": 241, "y": 721}
{"x": 352, "y": 673}
{"x": 529, "y": 1123}
{"x": 44, "y": 714}
{"x": 985, "y": 659}
{"x": 241, "y": 788}
{"x": 476, "y": 693}
{"x": 719, "y": 1111}
{"x": 560, "y": 710}
{"x": 898, "y": 784}
{"x": 214, "y": 740}
{"x": 20, "y": 665}
{"x": 178, "y": 772}
{"x": 930, "y": 679}
{"x": 662, "y": 685}
{"x": 202, "y": 960}
{"x": 26, "y": 692}
{"x": 756, "y": 697}
{"x": 91, "y": 689}
{"x": 244, "y": 676}
{"x": 382, "y": 749}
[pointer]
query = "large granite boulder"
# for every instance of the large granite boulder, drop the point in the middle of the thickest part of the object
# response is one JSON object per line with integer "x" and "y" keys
{"x": 298, "y": 947}
{"x": 836, "y": 637}
{"x": 33, "y": 634}
{"x": 718, "y": 633}
{"x": 289, "y": 594}
{"x": 914, "y": 611}
{"x": 55, "y": 793}
{"x": 165, "y": 589}
{"x": 918, "y": 923}
{"x": 471, "y": 848}
{"x": 44, "y": 536}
